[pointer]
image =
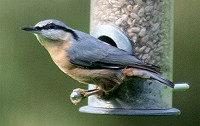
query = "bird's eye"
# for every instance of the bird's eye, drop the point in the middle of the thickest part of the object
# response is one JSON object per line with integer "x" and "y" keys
{"x": 51, "y": 26}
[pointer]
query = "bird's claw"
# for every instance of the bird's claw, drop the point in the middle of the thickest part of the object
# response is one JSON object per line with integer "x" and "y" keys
{"x": 79, "y": 94}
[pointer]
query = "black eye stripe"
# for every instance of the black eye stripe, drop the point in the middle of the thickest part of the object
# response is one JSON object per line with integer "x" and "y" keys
{"x": 38, "y": 28}
{"x": 50, "y": 26}
{"x": 58, "y": 27}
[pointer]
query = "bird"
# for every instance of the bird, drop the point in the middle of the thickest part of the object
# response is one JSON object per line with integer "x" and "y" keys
{"x": 90, "y": 60}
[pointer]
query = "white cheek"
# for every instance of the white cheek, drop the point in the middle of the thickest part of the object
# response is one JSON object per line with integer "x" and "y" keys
{"x": 55, "y": 34}
{"x": 39, "y": 39}
{"x": 61, "y": 35}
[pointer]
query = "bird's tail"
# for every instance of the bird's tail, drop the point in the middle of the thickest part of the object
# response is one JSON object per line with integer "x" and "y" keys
{"x": 161, "y": 79}
{"x": 148, "y": 74}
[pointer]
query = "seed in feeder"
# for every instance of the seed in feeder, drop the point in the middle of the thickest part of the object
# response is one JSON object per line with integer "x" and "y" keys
{"x": 142, "y": 49}
{"x": 104, "y": 7}
{"x": 155, "y": 13}
{"x": 124, "y": 17}
{"x": 139, "y": 2}
{"x": 142, "y": 32}
{"x": 112, "y": 18}
{"x": 145, "y": 56}
{"x": 127, "y": 12}
{"x": 142, "y": 21}
{"x": 141, "y": 12}
{"x": 136, "y": 49}
{"x": 147, "y": 50}
{"x": 134, "y": 38}
{"x": 129, "y": 7}
{"x": 108, "y": 11}
{"x": 103, "y": 17}
{"x": 144, "y": 39}
{"x": 133, "y": 23}
{"x": 115, "y": 9}
{"x": 155, "y": 27}
{"x": 115, "y": 3}
{"x": 156, "y": 39}
{"x": 135, "y": 16}
{"x": 159, "y": 49}
{"x": 150, "y": 44}
{"x": 149, "y": 2}
{"x": 131, "y": 34}
{"x": 148, "y": 8}
{"x": 155, "y": 5}
{"x": 140, "y": 56}
{"x": 117, "y": 12}
{"x": 136, "y": 8}
{"x": 160, "y": 44}
{"x": 151, "y": 61}
{"x": 119, "y": 22}
{"x": 148, "y": 18}
{"x": 135, "y": 29}
{"x": 158, "y": 58}
{"x": 146, "y": 23}
{"x": 129, "y": 21}
{"x": 129, "y": 30}
{"x": 151, "y": 53}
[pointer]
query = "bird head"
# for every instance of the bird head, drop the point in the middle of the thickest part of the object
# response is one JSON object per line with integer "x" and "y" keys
{"x": 51, "y": 31}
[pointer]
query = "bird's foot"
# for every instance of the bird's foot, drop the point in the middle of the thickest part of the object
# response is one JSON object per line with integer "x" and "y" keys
{"x": 79, "y": 94}
{"x": 105, "y": 95}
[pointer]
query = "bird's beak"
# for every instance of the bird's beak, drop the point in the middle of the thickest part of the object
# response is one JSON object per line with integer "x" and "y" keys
{"x": 30, "y": 28}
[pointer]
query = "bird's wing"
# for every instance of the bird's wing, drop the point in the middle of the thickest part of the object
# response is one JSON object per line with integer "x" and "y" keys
{"x": 95, "y": 54}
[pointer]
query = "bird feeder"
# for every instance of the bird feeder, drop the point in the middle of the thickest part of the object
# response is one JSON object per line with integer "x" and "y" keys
{"x": 143, "y": 28}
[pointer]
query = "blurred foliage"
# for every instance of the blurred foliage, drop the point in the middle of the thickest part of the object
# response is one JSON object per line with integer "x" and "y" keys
{"x": 33, "y": 91}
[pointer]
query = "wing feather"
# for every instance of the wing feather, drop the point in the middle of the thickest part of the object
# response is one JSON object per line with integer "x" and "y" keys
{"x": 92, "y": 53}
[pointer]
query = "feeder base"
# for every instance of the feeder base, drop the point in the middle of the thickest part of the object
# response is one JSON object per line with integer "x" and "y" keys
{"x": 139, "y": 112}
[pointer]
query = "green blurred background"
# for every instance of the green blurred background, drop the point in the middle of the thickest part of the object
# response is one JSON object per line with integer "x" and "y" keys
{"x": 34, "y": 92}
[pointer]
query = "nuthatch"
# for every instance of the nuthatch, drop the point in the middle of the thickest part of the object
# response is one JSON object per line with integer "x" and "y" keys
{"x": 90, "y": 60}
